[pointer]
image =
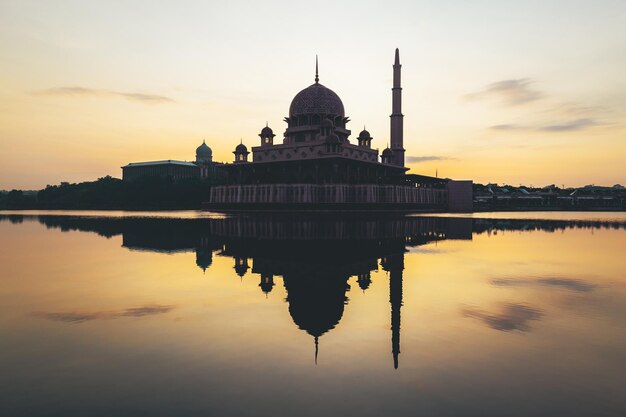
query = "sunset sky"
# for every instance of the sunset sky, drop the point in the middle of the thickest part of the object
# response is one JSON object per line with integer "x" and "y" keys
{"x": 530, "y": 92}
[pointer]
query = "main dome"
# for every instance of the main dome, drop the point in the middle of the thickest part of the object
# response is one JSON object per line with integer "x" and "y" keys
{"x": 316, "y": 99}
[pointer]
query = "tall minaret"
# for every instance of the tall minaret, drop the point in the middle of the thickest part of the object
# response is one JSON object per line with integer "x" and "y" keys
{"x": 397, "y": 129}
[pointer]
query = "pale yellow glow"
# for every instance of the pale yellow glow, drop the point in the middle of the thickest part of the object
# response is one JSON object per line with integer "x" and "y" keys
{"x": 88, "y": 87}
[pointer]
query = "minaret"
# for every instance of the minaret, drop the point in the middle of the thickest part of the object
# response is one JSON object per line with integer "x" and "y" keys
{"x": 397, "y": 129}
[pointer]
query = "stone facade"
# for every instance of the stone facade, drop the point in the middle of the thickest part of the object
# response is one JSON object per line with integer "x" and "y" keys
{"x": 316, "y": 195}
{"x": 310, "y": 150}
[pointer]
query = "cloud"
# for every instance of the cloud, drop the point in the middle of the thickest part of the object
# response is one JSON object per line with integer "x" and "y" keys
{"x": 79, "y": 317}
{"x": 571, "y": 126}
{"x": 578, "y": 110}
{"x": 68, "y": 91}
{"x": 567, "y": 126}
{"x": 565, "y": 283}
{"x": 511, "y": 92}
{"x": 150, "y": 98}
{"x": 83, "y": 91}
{"x": 512, "y": 316}
{"x": 509, "y": 127}
{"x": 418, "y": 159}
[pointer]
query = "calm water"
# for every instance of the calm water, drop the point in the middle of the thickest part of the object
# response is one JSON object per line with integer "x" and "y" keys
{"x": 196, "y": 315}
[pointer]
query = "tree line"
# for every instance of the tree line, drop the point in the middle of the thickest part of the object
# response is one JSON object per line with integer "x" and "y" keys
{"x": 147, "y": 193}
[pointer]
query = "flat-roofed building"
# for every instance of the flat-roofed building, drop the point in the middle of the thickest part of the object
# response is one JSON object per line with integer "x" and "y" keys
{"x": 168, "y": 168}
{"x": 202, "y": 167}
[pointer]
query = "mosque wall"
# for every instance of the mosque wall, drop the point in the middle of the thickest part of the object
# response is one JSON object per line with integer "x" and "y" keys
{"x": 328, "y": 194}
{"x": 310, "y": 150}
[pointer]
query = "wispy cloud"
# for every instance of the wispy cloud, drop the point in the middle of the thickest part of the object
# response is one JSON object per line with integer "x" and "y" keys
{"x": 512, "y": 316}
{"x": 149, "y": 98}
{"x": 511, "y": 92}
{"x": 79, "y": 317}
{"x": 509, "y": 127}
{"x": 579, "y": 110}
{"x": 418, "y": 159}
{"x": 566, "y": 126}
{"x": 77, "y": 91}
{"x": 570, "y": 126}
{"x": 564, "y": 283}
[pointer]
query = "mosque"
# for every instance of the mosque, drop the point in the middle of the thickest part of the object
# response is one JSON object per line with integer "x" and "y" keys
{"x": 316, "y": 166}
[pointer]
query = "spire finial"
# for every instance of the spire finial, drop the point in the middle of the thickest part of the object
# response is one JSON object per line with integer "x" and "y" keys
{"x": 266, "y": 123}
{"x": 316, "y": 349}
{"x": 397, "y": 60}
{"x": 241, "y": 140}
{"x": 317, "y": 77}
{"x": 204, "y": 141}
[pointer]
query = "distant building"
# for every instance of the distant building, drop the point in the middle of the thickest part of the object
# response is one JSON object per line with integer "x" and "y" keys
{"x": 202, "y": 167}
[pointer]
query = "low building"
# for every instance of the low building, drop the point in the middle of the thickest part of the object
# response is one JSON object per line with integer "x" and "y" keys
{"x": 202, "y": 167}
{"x": 169, "y": 168}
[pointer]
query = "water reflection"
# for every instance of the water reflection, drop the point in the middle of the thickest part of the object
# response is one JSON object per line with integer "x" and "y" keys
{"x": 79, "y": 317}
{"x": 228, "y": 316}
{"x": 316, "y": 256}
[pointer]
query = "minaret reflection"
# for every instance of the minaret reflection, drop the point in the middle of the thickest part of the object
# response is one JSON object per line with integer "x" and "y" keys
{"x": 394, "y": 264}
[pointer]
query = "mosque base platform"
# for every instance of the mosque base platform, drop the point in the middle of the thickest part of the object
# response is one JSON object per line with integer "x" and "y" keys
{"x": 380, "y": 198}
{"x": 322, "y": 208}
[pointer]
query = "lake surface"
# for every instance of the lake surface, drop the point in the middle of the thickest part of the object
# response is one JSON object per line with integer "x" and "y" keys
{"x": 197, "y": 314}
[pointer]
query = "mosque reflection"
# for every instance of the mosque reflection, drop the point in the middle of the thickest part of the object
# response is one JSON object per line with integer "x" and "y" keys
{"x": 315, "y": 256}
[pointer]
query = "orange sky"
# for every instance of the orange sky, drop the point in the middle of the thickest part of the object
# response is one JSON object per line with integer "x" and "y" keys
{"x": 514, "y": 93}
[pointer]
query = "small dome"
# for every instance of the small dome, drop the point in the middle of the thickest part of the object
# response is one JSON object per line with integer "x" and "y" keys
{"x": 267, "y": 132}
{"x": 364, "y": 134}
{"x": 241, "y": 148}
{"x": 316, "y": 99}
{"x": 204, "y": 150}
{"x": 332, "y": 138}
{"x": 387, "y": 152}
{"x": 327, "y": 123}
